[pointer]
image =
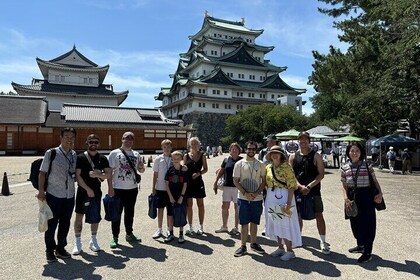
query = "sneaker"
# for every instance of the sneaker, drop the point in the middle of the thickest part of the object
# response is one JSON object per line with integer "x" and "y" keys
{"x": 181, "y": 239}
{"x": 132, "y": 238}
{"x": 234, "y": 231}
{"x": 364, "y": 258}
{"x": 278, "y": 252}
{"x": 241, "y": 251}
{"x": 93, "y": 245}
{"x": 169, "y": 238}
{"x": 200, "y": 231}
{"x": 257, "y": 248}
{"x": 325, "y": 248}
{"x": 62, "y": 254}
{"x": 221, "y": 230}
{"x": 77, "y": 247}
{"x": 288, "y": 256}
{"x": 190, "y": 231}
{"x": 157, "y": 234}
{"x": 51, "y": 257}
{"x": 357, "y": 249}
{"x": 114, "y": 243}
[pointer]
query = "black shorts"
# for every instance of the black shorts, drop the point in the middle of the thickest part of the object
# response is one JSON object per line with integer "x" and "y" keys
{"x": 82, "y": 198}
{"x": 196, "y": 189}
{"x": 163, "y": 199}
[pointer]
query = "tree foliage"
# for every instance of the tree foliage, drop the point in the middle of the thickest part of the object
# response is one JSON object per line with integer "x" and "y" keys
{"x": 260, "y": 120}
{"x": 376, "y": 82}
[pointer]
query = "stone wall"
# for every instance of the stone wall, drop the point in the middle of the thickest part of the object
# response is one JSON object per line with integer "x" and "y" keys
{"x": 210, "y": 127}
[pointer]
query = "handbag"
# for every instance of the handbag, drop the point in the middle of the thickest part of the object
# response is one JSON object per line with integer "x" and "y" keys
{"x": 93, "y": 212}
{"x": 179, "y": 212}
{"x": 44, "y": 215}
{"x": 351, "y": 211}
{"x": 379, "y": 206}
{"x": 153, "y": 201}
{"x": 112, "y": 208}
{"x": 220, "y": 183}
{"x": 138, "y": 176}
{"x": 306, "y": 206}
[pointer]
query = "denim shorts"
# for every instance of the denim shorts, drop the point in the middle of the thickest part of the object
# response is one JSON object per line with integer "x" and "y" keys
{"x": 249, "y": 211}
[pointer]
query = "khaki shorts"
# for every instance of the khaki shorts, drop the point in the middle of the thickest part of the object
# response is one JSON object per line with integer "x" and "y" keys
{"x": 230, "y": 194}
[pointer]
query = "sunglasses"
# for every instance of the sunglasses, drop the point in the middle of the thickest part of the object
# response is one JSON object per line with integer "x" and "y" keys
{"x": 129, "y": 138}
{"x": 93, "y": 142}
{"x": 251, "y": 149}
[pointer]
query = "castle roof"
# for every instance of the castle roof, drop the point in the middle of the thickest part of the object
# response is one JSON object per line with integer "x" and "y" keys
{"x": 74, "y": 61}
{"x": 222, "y": 24}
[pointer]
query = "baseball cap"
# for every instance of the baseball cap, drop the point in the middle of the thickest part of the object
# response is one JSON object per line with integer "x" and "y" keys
{"x": 304, "y": 134}
{"x": 271, "y": 137}
{"x": 128, "y": 134}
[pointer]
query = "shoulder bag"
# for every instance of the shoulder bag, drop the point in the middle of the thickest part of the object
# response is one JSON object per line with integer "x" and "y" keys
{"x": 138, "y": 176}
{"x": 374, "y": 190}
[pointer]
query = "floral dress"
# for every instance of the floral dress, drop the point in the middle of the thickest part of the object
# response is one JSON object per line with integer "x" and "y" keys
{"x": 278, "y": 223}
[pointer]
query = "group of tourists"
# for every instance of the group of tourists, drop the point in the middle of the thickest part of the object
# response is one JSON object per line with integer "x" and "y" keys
{"x": 272, "y": 182}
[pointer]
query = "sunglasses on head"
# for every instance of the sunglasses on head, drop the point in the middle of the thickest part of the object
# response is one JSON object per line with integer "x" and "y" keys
{"x": 93, "y": 142}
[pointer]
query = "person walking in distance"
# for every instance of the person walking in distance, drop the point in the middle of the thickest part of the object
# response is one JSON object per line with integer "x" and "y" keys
{"x": 91, "y": 169}
{"x": 309, "y": 171}
{"x": 391, "y": 155}
{"x": 249, "y": 178}
{"x": 125, "y": 162}
{"x": 60, "y": 193}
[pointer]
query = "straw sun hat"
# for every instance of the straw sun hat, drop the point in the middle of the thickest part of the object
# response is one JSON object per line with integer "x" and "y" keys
{"x": 276, "y": 149}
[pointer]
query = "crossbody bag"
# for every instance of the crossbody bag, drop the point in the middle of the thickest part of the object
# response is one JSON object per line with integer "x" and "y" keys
{"x": 138, "y": 176}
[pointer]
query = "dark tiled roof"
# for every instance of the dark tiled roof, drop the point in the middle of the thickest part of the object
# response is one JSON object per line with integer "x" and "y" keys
{"x": 22, "y": 110}
{"x": 78, "y": 53}
{"x": 68, "y": 89}
{"x": 109, "y": 116}
{"x": 241, "y": 56}
{"x": 218, "y": 77}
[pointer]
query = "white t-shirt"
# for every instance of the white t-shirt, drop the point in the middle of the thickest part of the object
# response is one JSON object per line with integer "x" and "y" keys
{"x": 123, "y": 176}
{"x": 249, "y": 172}
{"x": 161, "y": 165}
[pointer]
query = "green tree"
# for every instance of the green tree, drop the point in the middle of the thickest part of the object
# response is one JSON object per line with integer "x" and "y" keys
{"x": 376, "y": 82}
{"x": 260, "y": 120}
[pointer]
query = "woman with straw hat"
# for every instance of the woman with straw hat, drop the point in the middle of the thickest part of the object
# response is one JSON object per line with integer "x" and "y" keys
{"x": 281, "y": 217}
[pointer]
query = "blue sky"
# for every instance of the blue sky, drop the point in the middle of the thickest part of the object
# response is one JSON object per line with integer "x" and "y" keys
{"x": 141, "y": 39}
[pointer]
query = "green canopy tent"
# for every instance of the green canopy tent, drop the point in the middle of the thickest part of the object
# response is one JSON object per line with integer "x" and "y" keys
{"x": 349, "y": 138}
{"x": 288, "y": 135}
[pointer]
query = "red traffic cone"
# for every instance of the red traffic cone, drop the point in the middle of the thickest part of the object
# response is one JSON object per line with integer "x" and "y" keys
{"x": 5, "y": 187}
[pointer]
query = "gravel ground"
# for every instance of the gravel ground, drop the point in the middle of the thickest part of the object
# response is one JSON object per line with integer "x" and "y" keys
{"x": 396, "y": 248}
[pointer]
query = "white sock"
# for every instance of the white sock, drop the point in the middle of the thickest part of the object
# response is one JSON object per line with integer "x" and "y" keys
{"x": 322, "y": 238}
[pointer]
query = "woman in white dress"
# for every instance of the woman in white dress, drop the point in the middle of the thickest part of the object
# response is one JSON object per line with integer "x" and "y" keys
{"x": 281, "y": 217}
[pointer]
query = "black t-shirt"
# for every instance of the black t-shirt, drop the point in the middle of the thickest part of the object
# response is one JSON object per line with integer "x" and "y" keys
{"x": 228, "y": 164}
{"x": 176, "y": 179}
{"x": 100, "y": 162}
{"x": 306, "y": 170}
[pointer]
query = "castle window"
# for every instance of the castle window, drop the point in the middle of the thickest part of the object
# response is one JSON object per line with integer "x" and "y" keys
{"x": 225, "y": 92}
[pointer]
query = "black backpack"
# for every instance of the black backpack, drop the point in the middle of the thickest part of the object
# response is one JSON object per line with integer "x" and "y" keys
{"x": 36, "y": 165}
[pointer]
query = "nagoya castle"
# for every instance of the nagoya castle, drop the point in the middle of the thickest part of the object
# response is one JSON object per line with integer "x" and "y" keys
{"x": 224, "y": 71}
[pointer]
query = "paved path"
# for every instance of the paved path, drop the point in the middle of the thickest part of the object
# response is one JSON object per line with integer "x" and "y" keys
{"x": 396, "y": 248}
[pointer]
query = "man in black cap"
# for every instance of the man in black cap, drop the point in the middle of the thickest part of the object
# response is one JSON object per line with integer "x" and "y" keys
{"x": 270, "y": 141}
{"x": 309, "y": 171}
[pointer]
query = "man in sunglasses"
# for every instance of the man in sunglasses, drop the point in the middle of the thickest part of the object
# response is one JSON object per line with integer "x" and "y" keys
{"x": 91, "y": 169}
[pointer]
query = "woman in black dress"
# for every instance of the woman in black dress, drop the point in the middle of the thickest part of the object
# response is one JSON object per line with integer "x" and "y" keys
{"x": 197, "y": 166}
